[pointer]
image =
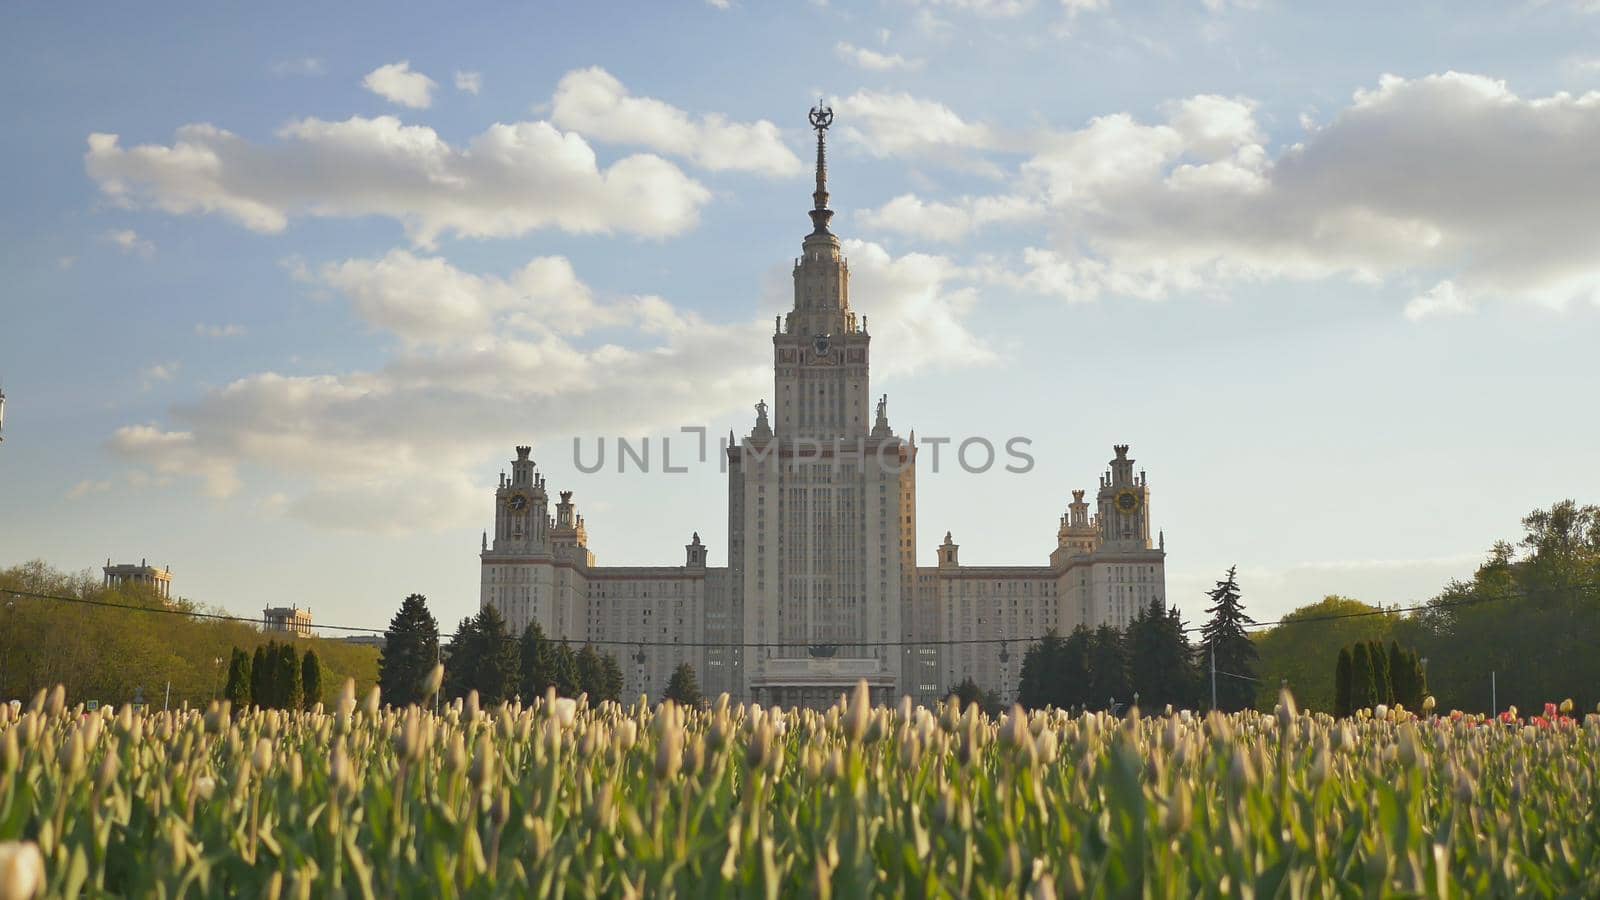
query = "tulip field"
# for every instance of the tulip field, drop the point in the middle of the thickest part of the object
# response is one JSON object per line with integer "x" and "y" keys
{"x": 556, "y": 799}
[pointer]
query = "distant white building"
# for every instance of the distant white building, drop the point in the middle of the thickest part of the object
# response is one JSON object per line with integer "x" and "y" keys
{"x": 822, "y": 587}
{"x": 158, "y": 580}
{"x": 287, "y": 620}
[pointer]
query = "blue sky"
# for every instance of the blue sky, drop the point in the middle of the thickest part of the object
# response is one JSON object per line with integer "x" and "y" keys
{"x": 284, "y": 286}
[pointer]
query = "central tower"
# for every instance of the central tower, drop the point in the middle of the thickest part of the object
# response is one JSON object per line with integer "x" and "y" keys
{"x": 821, "y": 499}
{"x": 819, "y": 349}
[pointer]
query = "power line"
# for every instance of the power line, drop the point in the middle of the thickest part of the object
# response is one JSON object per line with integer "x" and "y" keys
{"x": 1434, "y": 606}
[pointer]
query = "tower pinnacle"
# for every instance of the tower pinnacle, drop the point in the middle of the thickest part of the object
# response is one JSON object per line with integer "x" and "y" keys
{"x": 821, "y": 117}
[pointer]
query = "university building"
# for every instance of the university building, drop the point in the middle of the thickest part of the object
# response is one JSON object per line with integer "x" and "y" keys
{"x": 822, "y": 586}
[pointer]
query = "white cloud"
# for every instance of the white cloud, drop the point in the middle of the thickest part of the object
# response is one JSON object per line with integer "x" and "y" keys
{"x": 900, "y": 125}
{"x": 66, "y": 262}
{"x": 507, "y": 181}
{"x": 720, "y": 4}
{"x": 305, "y": 66}
{"x": 994, "y": 9}
{"x": 218, "y": 331}
{"x": 595, "y": 103}
{"x": 910, "y": 215}
{"x": 130, "y": 242}
{"x": 85, "y": 488}
{"x": 1450, "y": 174}
{"x": 470, "y": 82}
{"x": 1439, "y": 300}
{"x": 873, "y": 61}
{"x": 481, "y": 357}
{"x": 396, "y": 83}
{"x": 157, "y": 373}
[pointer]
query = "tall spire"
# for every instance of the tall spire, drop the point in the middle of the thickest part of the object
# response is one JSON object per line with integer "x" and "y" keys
{"x": 821, "y": 117}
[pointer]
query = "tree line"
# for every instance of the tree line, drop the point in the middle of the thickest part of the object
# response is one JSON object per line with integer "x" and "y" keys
{"x": 1151, "y": 662}
{"x": 116, "y": 655}
{"x": 1367, "y": 675}
{"x": 276, "y": 676}
{"x": 484, "y": 656}
{"x": 1521, "y": 630}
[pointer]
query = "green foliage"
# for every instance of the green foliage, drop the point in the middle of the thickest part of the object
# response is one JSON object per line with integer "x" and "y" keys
{"x": 311, "y": 679}
{"x": 533, "y": 667}
{"x": 1363, "y": 685}
{"x": 1108, "y": 669}
{"x": 1341, "y": 684}
{"x": 734, "y": 801}
{"x": 483, "y": 658}
{"x": 683, "y": 689}
{"x": 1305, "y": 648}
{"x": 410, "y": 651}
{"x": 564, "y": 671}
{"x": 263, "y": 692}
{"x": 238, "y": 690}
{"x": 106, "y": 654}
{"x": 1160, "y": 660}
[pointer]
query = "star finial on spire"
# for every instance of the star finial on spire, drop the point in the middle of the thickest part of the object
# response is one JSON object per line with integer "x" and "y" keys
{"x": 821, "y": 117}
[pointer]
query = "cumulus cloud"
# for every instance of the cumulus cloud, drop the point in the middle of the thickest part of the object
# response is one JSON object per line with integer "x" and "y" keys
{"x": 873, "y": 61}
{"x": 1439, "y": 300}
{"x": 1452, "y": 174}
{"x": 469, "y": 82}
{"x": 900, "y": 125}
{"x": 594, "y": 102}
{"x": 994, "y": 9}
{"x": 910, "y": 215}
{"x": 480, "y": 357}
{"x": 507, "y": 181}
{"x": 130, "y": 242}
{"x": 218, "y": 331}
{"x": 396, "y": 83}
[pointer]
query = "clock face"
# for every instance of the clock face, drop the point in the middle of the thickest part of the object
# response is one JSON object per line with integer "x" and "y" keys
{"x": 821, "y": 342}
{"x": 1127, "y": 501}
{"x": 517, "y": 502}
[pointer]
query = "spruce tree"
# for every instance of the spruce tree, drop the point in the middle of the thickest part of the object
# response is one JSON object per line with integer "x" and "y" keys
{"x": 533, "y": 674}
{"x": 1073, "y": 671}
{"x": 1225, "y": 644}
{"x": 564, "y": 673}
{"x": 1342, "y": 675}
{"x": 410, "y": 651}
{"x": 1037, "y": 686}
{"x": 238, "y": 690}
{"x": 311, "y": 678}
{"x": 461, "y": 660}
{"x": 591, "y": 674}
{"x": 1159, "y": 658}
{"x": 1108, "y": 669}
{"x": 496, "y": 664}
{"x": 682, "y": 688}
{"x": 613, "y": 678}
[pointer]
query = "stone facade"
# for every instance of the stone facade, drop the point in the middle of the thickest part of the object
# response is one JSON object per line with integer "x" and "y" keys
{"x": 822, "y": 587}
{"x": 158, "y": 580}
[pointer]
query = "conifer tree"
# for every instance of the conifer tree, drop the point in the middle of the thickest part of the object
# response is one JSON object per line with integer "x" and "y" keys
{"x": 613, "y": 677}
{"x": 591, "y": 674}
{"x": 1363, "y": 688}
{"x": 682, "y": 688}
{"x": 1342, "y": 676}
{"x": 1039, "y": 684}
{"x": 410, "y": 651}
{"x": 1226, "y": 644}
{"x": 311, "y": 678}
{"x": 1074, "y": 670}
{"x": 1382, "y": 689}
{"x": 533, "y": 673}
{"x": 564, "y": 671}
{"x": 1108, "y": 669}
{"x": 1159, "y": 658}
{"x": 288, "y": 692}
{"x": 238, "y": 690}
{"x": 460, "y": 667}
{"x": 261, "y": 677}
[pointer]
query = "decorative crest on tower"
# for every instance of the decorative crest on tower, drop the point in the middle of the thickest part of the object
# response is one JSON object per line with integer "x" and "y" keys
{"x": 821, "y": 117}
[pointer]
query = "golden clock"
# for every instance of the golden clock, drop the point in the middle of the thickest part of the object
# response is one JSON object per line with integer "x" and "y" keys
{"x": 517, "y": 502}
{"x": 1127, "y": 501}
